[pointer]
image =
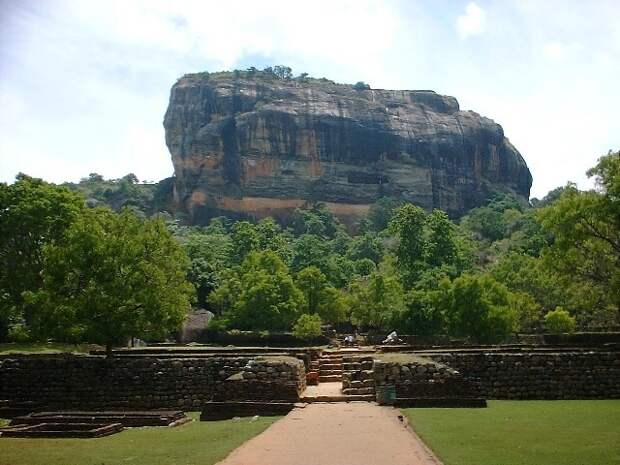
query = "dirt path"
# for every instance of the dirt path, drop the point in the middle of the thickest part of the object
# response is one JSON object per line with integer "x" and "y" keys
{"x": 356, "y": 433}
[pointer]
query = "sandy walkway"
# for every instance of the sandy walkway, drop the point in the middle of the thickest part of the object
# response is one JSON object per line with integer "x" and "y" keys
{"x": 356, "y": 433}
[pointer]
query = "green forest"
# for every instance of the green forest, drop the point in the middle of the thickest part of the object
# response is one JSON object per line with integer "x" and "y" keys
{"x": 101, "y": 261}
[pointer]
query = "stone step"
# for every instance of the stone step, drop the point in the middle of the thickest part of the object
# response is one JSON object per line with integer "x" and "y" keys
{"x": 358, "y": 384}
{"x": 330, "y": 378}
{"x": 359, "y": 391}
{"x": 323, "y": 372}
{"x": 356, "y": 366}
{"x": 331, "y": 366}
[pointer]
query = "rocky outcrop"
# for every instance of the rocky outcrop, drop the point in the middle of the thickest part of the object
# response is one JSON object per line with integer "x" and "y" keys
{"x": 258, "y": 146}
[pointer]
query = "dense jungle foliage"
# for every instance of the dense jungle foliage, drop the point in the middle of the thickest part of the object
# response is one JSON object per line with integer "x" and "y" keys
{"x": 76, "y": 273}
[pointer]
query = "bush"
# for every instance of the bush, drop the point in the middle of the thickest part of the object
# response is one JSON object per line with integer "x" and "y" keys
{"x": 19, "y": 333}
{"x": 477, "y": 306}
{"x": 361, "y": 85}
{"x": 307, "y": 326}
{"x": 364, "y": 267}
{"x": 559, "y": 321}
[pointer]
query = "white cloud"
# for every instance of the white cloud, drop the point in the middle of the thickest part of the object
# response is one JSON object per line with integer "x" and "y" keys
{"x": 225, "y": 32}
{"x": 558, "y": 52}
{"x": 84, "y": 85}
{"x": 91, "y": 79}
{"x": 555, "y": 51}
{"x": 472, "y": 23}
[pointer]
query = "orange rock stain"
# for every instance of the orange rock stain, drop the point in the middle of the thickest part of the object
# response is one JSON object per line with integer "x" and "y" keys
{"x": 259, "y": 167}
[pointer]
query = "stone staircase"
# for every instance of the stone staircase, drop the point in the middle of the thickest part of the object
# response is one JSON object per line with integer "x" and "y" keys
{"x": 330, "y": 367}
{"x": 358, "y": 377}
{"x": 354, "y": 383}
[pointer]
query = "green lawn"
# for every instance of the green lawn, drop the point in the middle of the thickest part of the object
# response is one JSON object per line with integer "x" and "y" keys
{"x": 196, "y": 443}
{"x": 42, "y": 348}
{"x": 579, "y": 432}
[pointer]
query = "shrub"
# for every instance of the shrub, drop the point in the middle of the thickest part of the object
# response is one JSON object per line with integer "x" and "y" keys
{"x": 19, "y": 333}
{"x": 361, "y": 85}
{"x": 307, "y": 326}
{"x": 477, "y": 306}
{"x": 559, "y": 321}
{"x": 365, "y": 267}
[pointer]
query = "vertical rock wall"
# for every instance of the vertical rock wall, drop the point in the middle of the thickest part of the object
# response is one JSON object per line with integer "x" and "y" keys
{"x": 253, "y": 146}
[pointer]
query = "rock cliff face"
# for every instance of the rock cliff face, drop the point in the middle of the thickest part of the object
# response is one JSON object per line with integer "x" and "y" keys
{"x": 255, "y": 146}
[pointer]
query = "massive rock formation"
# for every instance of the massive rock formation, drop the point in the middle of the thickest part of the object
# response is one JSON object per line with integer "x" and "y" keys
{"x": 261, "y": 146}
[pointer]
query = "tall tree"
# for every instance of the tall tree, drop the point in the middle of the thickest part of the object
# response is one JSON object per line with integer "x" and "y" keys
{"x": 366, "y": 246}
{"x": 376, "y": 300}
{"x": 382, "y": 211}
{"x": 407, "y": 225}
{"x": 320, "y": 297}
{"x": 245, "y": 239}
{"x": 477, "y": 306}
{"x": 442, "y": 246}
{"x": 259, "y": 294}
{"x": 271, "y": 237}
{"x": 586, "y": 230}
{"x": 113, "y": 277}
{"x": 310, "y": 250}
{"x": 33, "y": 214}
{"x": 209, "y": 256}
{"x": 421, "y": 315}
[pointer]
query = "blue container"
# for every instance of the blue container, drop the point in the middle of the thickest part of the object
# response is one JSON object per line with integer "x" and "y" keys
{"x": 386, "y": 395}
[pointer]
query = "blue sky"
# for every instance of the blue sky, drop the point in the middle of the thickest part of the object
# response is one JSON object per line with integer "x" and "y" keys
{"x": 84, "y": 84}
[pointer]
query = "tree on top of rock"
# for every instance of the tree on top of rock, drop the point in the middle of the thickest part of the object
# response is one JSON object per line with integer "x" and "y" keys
{"x": 361, "y": 85}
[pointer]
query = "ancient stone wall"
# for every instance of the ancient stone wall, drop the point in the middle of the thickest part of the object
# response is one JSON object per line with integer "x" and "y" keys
{"x": 565, "y": 375}
{"x": 91, "y": 382}
{"x": 357, "y": 375}
{"x": 421, "y": 378}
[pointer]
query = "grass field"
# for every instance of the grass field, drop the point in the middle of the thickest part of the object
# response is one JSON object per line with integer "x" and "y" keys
{"x": 42, "y": 348}
{"x": 578, "y": 432}
{"x": 196, "y": 443}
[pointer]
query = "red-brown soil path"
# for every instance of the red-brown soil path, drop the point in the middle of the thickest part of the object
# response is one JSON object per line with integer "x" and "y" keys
{"x": 355, "y": 433}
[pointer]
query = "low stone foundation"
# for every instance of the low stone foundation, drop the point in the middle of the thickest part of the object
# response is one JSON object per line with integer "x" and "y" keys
{"x": 422, "y": 378}
{"x": 565, "y": 375}
{"x": 91, "y": 382}
{"x": 56, "y": 382}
